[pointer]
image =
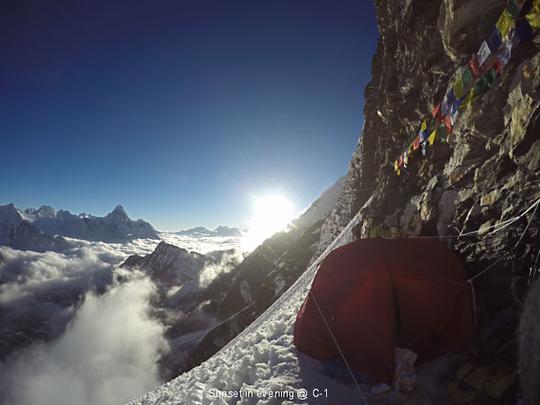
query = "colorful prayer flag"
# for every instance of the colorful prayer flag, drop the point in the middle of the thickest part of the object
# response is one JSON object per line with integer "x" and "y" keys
{"x": 513, "y": 8}
{"x": 423, "y": 136}
{"x": 503, "y": 54}
{"x": 448, "y": 101}
{"x": 474, "y": 67}
{"x": 458, "y": 87}
{"x": 455, "y": 112}
{"x": 467, "y": 79}
{"x": 442, "y": 131}
{"x": 483, "y": 53}
{"x": 494, "y": 40}
{"x": 467, "y": 100}
{"x": 416, "y": 142}
{"x": 431, "y": 138}
{"x": 504, "y": 22}
{"x": 448, "y": 124}
{"x": 533, "y": 17}
{"x": 435, "y": 112}
{"x": 524, "y": 31}
{"x": 485, "y": 82}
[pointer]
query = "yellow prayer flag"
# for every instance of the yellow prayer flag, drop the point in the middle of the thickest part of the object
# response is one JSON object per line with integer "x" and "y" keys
{"x": 458, "y": 87}
{"x": 396, "y": 166}
{"x": 533, "y": 17}
{"x": 431, "y": 138}
{"x": 423, "y": 126}
{"x": 504, "y": 23}
{"x": 467, "y": 100}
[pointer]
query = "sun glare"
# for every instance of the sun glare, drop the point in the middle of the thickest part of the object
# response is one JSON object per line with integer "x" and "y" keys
{"x": 271, "y": 214}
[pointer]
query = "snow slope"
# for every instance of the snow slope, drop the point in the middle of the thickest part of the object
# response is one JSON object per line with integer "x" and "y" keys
{"x": 321, "y": 207}
{"x": 263, "y": 367}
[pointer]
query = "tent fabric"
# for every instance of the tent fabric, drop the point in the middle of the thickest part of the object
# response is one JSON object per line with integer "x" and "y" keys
{"x": 378, "y": 294}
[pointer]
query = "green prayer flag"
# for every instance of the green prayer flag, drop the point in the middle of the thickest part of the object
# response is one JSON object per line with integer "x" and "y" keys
{"x": 485, "y": 82}
{"x": 513, "y": 8}
{"x": 442, "y": 131}
{"x": 467, "y": 79}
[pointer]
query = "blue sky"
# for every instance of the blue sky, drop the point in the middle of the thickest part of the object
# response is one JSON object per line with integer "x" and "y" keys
{"x": 180, "y": 110}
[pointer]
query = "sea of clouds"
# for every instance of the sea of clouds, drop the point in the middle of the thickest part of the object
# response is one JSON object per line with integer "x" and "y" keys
{"x": 90, "y": 338}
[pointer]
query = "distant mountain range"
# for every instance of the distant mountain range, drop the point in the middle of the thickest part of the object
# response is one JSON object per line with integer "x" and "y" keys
{"x": 43, "y": 229}
{"x": 220, "y": 231}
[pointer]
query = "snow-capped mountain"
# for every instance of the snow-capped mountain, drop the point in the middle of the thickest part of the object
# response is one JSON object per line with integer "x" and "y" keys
{"x": 220, "y": 231}
{"x": 17, "y": 232}
{"x": 169, "y": 264}
{"x": 114, "y": 227}
{"x": 181, "y": 298}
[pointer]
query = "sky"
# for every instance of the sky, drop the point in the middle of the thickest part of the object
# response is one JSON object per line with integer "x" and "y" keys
{"x": 180, "y": 110}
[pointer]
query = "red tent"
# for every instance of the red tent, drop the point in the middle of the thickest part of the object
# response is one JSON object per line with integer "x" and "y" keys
{"x": 377, "y": 294}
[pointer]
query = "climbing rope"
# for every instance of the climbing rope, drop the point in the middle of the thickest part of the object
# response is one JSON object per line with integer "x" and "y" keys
{"x": 339, "y": 348}
{"x": 535, "y": 206}
{"x": 496, "y": 227}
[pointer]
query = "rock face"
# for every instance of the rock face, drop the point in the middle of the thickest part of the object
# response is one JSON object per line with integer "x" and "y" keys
{"x": 169, "y": 264}
{"x": 114, "y": 227}
{"x": 180, "y": 295}
{"x": 18, "y": 233}
{"x": 487, "y": 172}
{"x": 477, "y": 192}
{"x": 178, "y": 273}
{"x": 529, "y": 363}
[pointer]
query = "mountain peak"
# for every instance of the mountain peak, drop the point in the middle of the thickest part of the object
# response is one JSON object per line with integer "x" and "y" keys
{"x": 119, "y": 213}
{"x": 119, "y": 209}
{"x": 46, "y": 211}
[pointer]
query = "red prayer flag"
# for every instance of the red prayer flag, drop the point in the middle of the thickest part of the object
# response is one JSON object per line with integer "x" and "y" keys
{"x": 448, "y": 123}
{"x": 475, "y": 67}
{"x": 416, "y": 142}
{"x": 435, "y": 111}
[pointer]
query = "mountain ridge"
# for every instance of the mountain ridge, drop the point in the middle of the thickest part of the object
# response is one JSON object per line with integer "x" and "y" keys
{"x": 219, "y": 231}
{"x": 45, "y": 228}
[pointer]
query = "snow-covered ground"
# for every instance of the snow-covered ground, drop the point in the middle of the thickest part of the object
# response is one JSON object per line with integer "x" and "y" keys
{"x": 262, "y": 366}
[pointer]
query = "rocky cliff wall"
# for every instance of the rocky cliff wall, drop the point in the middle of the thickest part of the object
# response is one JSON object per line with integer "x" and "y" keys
{"x": 488, "y": 170}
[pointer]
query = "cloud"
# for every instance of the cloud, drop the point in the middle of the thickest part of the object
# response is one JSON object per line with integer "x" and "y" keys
{"x": 228, "y": 260}
{"x": 71, "y": 333}
{"x": 202, "y": 244}
{"x": 107, "y": 355}
{"x": 24, "y": 272}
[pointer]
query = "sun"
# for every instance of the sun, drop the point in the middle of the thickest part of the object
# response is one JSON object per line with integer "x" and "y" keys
{"x": 271, "y": 214}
